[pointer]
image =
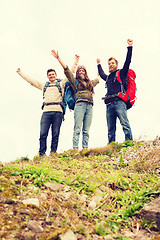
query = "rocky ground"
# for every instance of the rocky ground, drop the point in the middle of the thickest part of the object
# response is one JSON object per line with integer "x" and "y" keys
{"x": 30, "y": 212}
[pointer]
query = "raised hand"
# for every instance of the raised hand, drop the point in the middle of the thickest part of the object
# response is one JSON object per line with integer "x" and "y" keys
{"x": 55, "y": 54}
{"x": 98, "y": 61}
{"x": 18, "y": 71}
{"x": 130, "y": 42}
{"x": 77, "y": 57}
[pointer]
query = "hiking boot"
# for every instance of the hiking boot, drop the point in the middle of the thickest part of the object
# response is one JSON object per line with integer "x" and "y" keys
{"x": 53, "y": 154}
{"x": 41, "y": 157}
{"x": 85, "y": 148}
{"x": 73, "y": 151}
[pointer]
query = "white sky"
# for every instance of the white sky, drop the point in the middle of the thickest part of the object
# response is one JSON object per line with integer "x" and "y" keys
{"x": 30, "y": 29}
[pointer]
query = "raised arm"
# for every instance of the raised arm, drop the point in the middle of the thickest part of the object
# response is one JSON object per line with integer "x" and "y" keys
{"x": 130, "y": 42}
{"x": 124, "y": 70}
{"x": 67, "y": 71}
{"x": 100, "y": 70}
{"x": 32, "y": 81}
{"x": 96, "y": 80}
{"x": 73, "y": 68}
{"x": 56, "y": 55}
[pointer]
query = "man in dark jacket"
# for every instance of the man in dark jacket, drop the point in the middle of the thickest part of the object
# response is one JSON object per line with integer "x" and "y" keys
{"x": 116, "y": 107}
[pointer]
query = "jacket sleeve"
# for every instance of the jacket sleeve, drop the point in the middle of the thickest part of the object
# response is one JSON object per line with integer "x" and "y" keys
{"x": 95, "y": 81}
{"x": 124, "y": 70}
{"x": 101, "y": 72}
{"x": 32, "y": 81}
{"x": 70, "y": 77}
{"x": 73, "y": 69}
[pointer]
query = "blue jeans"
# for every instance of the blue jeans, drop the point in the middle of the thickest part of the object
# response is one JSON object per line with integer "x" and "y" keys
{"x": 114, "y": 110}
{"x": 82, "y": 115}
{"x": 53, "y": 119}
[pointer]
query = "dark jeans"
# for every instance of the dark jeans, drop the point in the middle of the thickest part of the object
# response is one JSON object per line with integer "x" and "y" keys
{"x": 53, "y": 119}
{"x": 114, "y": 110}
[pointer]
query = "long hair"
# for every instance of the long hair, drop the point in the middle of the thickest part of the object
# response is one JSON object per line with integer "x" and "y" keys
{"x": 86, "y": 79}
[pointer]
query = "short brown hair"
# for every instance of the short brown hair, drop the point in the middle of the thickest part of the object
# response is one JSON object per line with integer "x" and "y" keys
{"x": 50, "y": 70}
{"x": 112, "y": 58}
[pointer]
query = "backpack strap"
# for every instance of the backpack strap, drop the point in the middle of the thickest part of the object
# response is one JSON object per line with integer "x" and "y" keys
{"x": 60, "y": 90}
{"x": 77, "y": 82}
{"x": 45, "y": 88}
{"x": 59, "y": 87}
{"x": 57, "y": 84}
{"x": 117, "y": 77}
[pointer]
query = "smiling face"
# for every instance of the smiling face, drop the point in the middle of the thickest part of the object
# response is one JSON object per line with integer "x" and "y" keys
{"x": 112, "y": 65}
{"x": 52, "y": 76}
{"x": 81, "y": 71}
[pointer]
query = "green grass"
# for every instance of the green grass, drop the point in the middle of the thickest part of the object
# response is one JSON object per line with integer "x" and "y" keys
{"x": 124, "y": 188}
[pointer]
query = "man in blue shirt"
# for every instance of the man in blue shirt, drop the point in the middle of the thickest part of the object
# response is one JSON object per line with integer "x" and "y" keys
{"x": 115, "y": 106}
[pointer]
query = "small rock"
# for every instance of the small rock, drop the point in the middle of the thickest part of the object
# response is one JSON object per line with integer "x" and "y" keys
{"x": 92, "y": 205}
{"x": 151, "y": 211}
{"x": 67, "y": 195}
{"x": 69, "y": 235}
{"x": 97, "y": 199}
{"x": 54, "y": 186}
{"x": 98, "y": 192}
{"x": 83, "y": 198}
{"x": 24, "y": 211}
{"x": 32, "y": 188}
{"x": 34, "y": 226}
{"x": 29, "y": 236}
{"x": 33, "y": 201}
{"x": 66, "y": 189}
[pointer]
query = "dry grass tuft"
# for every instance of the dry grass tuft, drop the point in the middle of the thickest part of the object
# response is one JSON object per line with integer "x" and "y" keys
{"x": 106, "y": 150}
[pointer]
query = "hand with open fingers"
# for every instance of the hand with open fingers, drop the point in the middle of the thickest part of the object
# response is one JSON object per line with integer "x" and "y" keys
{"x": 77, "y": 57}
{"x": 18, "y": 70}
{"x": 55, "y": 54}
{"x": 130, "y": 42}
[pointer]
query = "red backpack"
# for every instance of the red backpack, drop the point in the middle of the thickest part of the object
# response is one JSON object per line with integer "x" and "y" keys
{"x": 128, "y": 96}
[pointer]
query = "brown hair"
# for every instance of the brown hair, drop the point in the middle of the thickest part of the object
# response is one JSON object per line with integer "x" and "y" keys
{"x": 50, "y": 70}
{"x": 112, "y": 58}
{"x": 87, "y": 80}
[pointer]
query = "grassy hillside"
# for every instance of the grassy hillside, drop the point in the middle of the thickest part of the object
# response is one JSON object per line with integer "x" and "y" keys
{"x": 97, "y": 193}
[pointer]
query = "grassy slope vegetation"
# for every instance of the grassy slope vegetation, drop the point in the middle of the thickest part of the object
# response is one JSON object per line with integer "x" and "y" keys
{"x": 101, "y": 195}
